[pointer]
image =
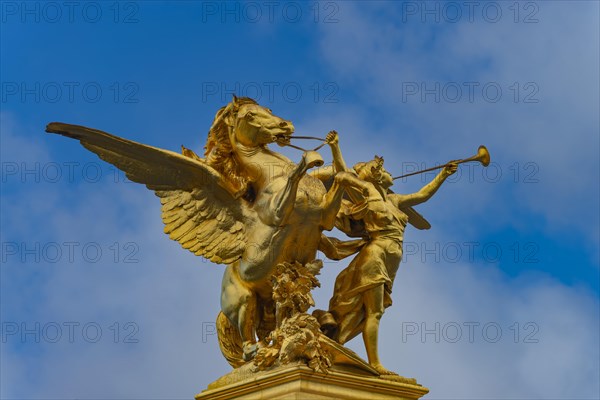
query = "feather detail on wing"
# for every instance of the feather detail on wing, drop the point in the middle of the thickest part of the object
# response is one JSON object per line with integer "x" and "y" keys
{"x": 200, "y": 208}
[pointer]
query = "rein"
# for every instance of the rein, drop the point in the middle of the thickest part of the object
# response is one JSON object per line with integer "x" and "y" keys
{"x": 307, "y": 138}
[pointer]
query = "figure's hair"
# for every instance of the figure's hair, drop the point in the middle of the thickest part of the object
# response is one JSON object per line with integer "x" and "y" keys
{"x": 219, "y": 150}
{"x": 376, "y": 163}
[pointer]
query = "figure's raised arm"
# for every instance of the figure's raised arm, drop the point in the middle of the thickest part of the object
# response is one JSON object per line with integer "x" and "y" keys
{"x": 427, "y": 191}
{"x": 328, "y": 171}
{"x": 332, "y": 139}
{"x": 357, "y": 190}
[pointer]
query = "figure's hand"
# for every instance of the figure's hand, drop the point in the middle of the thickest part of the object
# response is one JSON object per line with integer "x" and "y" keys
{"x": 451, "y": 168}
{"x": 332, "y": 138}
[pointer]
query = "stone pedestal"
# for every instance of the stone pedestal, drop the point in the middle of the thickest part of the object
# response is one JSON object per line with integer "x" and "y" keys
{"x": 300, "y": 382}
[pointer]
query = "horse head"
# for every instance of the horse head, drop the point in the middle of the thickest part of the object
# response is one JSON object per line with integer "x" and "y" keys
{"x": 256, "y": 125}
{"x": 242, "y": 122}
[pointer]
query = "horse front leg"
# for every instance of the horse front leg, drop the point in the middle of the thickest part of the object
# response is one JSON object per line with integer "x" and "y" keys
{"x": 333, "y": 198}
{"x": 283, "y": 201}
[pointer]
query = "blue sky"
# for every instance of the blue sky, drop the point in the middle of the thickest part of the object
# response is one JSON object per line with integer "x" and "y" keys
{"x": 95, "y": 299}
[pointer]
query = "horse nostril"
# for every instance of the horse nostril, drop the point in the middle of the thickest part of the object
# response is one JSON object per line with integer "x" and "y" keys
{"x": 283, "y": 124}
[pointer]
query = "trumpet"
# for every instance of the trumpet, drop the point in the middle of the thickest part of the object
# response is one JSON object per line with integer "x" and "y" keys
{"x": 482, "y": 156}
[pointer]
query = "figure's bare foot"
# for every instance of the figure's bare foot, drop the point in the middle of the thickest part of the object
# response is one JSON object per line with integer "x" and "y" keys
{"x": 382, "y": 371}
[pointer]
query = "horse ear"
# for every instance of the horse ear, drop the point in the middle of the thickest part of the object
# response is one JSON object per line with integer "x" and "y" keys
{"x": 235, "y": 99}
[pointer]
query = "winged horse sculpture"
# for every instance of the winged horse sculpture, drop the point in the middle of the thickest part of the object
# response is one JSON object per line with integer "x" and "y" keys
{"x": 241, "y": 205}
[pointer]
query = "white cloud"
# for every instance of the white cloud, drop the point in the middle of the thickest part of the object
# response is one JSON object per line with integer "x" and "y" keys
{"x": 564, "y": 321}
{"x": 173, "y": 296}
{"x": 377, "y": 55}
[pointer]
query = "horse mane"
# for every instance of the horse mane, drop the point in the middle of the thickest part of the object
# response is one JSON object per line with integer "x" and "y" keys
{"x": 219, "y": 150}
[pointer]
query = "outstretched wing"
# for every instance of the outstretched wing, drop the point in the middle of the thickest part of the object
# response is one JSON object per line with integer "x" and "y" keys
{"x": 200, "y": 208}
{"x": 414, "y": 218}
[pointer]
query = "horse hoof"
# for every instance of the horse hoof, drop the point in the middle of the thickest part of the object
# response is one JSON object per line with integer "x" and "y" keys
{"x": 327, "y": 322}
{"x": 312, "y": 159}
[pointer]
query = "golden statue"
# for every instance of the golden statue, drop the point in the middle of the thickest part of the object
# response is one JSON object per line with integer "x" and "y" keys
{"x": 363, "y": 290}
{"x": 243, "y": 205}
{"x": 262, "y": 215}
